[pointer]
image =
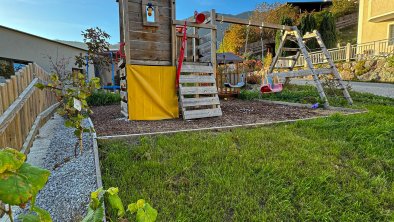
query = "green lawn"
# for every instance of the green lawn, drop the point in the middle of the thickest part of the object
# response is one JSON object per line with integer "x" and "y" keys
{"x": 339, "y": 168}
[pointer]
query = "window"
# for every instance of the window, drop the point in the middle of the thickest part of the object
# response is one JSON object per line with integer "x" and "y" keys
{"x": 391, "y": 34}
{"x": 150, "y": 13}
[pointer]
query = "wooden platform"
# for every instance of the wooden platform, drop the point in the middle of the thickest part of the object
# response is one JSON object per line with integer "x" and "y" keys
{"x": 198, "y": 93}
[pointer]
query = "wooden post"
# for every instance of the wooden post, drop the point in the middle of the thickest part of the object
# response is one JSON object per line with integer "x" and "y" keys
{"x": 173, "y": 36}
{"x": 348, "y": 52}
{"x": 213, "y": 43}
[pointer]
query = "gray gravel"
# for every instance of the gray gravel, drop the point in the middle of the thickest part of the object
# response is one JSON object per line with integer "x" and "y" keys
{"x": 66, "y": 195}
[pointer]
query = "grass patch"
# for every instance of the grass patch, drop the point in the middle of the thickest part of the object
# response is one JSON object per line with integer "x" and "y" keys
{"x": 333, "y": 169}
{"x": 308, "y": 94}
{"x": 103, "y": 98}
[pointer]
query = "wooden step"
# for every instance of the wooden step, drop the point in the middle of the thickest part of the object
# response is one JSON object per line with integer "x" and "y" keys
{"x": 124, "y": 109}
{"x": 290, "y": 49}
{"x": 195, "y": 90}
{"x": 197, "y": 69}
{"x": 202, "y": 113}
{"x": 196, "y": 79}
{"x": 309, "y": 36}
{"x": 202, "y": 101}
{"x": 292, "y": 58}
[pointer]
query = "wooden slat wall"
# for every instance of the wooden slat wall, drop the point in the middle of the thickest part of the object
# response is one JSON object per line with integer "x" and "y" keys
{"x": 149, "y": 44}
{"x": 18, "y": 112}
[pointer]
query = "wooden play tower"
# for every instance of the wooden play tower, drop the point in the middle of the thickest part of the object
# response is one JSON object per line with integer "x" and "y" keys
{"x": 153, "y": 41}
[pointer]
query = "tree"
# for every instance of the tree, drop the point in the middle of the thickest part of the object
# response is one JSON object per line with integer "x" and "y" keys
{"x": 308, "y": 24}
{"x": 6, "y": 68}
{"x": 328, "y": 30}
{"x": 96, "y": 40}
{"x": 344, "y": 7}
{"x": 278, "y": 37}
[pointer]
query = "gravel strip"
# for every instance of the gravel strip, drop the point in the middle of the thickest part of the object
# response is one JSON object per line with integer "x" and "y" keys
{"x": 66, "y": 195}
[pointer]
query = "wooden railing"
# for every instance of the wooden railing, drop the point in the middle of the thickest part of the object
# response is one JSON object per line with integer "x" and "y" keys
{"x": 23, "y": 107}
{"x": 349, "y": 52}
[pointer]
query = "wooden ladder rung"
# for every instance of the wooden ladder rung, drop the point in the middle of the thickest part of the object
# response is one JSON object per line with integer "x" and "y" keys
{"x": 197, "y": 69}
{"x": 202, "y": 101}
{"x": 202, "y": 113}
{"x": 292, "y": 58}
{"x": 290, "y": 49}
{"x": 196, "y": 79}
{"x": 195, "y": 90}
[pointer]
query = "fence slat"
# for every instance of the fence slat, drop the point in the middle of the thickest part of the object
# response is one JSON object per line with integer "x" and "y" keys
{"x": 21, "y": 103}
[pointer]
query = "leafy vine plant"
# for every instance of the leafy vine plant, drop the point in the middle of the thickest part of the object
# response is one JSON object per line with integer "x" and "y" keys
{"x": 72, "y": 96}
{"x": 143, "y": 211}
{"x": 19, "y": 184}
{"x": 73, "y": 90}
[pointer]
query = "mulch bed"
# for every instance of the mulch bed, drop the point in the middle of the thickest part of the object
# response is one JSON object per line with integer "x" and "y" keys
{"x": 109, "y": 121}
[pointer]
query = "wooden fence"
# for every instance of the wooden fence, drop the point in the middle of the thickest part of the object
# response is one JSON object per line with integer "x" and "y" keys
{"x": 23, "y": 107}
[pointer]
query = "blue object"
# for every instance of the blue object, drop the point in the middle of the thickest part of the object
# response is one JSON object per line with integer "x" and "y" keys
{"x": 239, "y": 85}
{"x": 111, "y": 87}
{"x": 315, "y": 106}
{"x": 113, "y": 70}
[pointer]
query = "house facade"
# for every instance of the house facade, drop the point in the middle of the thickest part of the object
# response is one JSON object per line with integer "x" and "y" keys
{"x": 376, "y": 21}
{"x": 22, "y": 48}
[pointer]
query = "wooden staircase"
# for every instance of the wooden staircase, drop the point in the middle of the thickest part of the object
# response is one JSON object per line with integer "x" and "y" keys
{"x": 198, "y": 95}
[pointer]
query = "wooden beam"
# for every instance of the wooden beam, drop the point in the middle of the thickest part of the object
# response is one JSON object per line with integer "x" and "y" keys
{"x": 300, "y": 73}
{"x": 193, "y": 24}
{"x": 13, "y": 109}
{"x": 233, "y": 20}
{"x": 188, "y": 35}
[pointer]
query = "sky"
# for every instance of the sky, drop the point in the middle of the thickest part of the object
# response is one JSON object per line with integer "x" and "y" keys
{"x": 65, "y": 19}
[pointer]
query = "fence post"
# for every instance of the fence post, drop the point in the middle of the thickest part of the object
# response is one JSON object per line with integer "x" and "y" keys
{"x": 348, "y": 52}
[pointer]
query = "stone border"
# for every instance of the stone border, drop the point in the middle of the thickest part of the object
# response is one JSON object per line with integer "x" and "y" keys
{"x": 221, "y": 128}
{"x": 97, "y": 161}
{"x": 41, "y": 119}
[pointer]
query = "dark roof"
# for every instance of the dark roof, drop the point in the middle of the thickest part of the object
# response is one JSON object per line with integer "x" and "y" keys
{"x": 228, "y": 57}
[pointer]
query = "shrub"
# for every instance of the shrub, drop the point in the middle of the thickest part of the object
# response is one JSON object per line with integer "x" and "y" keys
{"x": 360, "y": 68}
{"x": 254, "y": 78}
{"x": 390, "y": 61}
{"x": 103, "y": 98}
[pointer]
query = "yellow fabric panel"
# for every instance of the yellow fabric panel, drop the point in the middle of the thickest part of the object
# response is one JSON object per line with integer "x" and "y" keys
{"x": 151, "y": 92}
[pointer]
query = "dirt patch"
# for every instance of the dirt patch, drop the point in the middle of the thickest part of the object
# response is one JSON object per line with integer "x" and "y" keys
{"x": 108, "y": 120}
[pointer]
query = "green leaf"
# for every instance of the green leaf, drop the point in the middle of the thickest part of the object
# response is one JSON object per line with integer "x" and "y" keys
{"x": 132, "y": 208}
{"x": 116, "y": 203}
{"x": 54, "y": 78}
{"x": 42, "y": 214}
{"x": 37, "y": 177}
{"x": 94, "y": 215}
{"x": 77, "y": 133}
{"x": 29, "y": 218}
{"x": 113, "y": 190}
{"x": 11, "y": 159}
{"x": 68, "y": 123}
{"x": 39, "y": 86}
{"x": 15, "y": 189}
{"x": 140, "y": 203}
{"x": 146, "y": 214}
